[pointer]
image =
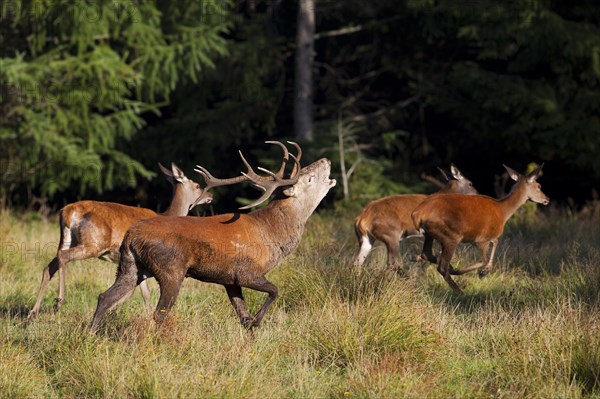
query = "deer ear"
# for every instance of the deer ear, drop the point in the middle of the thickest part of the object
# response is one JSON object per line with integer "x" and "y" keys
{"x": 513, "y": 174}
{"x": 456, "y": 173}
{"x": 178, "y": 174}
{"x": 290, "y": 191}
{"x": 167, "y": 173}
{"x": 535, "y": 174}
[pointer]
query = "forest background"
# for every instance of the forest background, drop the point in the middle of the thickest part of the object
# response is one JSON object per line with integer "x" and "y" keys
{"x": 93, "y": 94}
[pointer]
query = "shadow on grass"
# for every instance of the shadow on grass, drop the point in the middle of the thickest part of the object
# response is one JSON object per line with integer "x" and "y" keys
{"x": 119, "y": 326}
{"x": 14, "y": 311}
{"x": 578, "y": 284}
{"x": 586, "y": 363}
{"x": 477, "y": 295}
{"x": 15, "y": 305}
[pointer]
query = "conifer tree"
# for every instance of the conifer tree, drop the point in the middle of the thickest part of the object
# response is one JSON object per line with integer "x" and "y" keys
{"x": 77, "y": 77}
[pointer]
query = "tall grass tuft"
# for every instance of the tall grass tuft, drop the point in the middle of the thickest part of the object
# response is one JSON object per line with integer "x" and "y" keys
{"x": 346, "y": 333}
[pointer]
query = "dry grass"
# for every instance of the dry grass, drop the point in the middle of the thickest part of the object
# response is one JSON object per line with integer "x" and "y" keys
{"x": 529, "y": 330}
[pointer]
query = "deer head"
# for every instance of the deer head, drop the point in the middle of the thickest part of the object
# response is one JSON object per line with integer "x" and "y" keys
{"x": 308, "y": 185}
{"x": 533, "y": 189}
{"x": 456, "y": 182}
{"x": 192, "y": 193}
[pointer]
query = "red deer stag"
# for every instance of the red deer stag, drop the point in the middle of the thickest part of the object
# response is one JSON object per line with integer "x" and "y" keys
{"x": 234, "y": 250}
{"x": 388, "y": 219}
{"x": 478, "y": 219}
{"x": 93, "y": 229}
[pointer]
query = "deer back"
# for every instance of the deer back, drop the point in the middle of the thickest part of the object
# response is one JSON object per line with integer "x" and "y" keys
{"x": 392, "y": 215}
{"x": 212, "y": 249}
{"x": 102, "y": 223}
{"x": 472, "y": 217}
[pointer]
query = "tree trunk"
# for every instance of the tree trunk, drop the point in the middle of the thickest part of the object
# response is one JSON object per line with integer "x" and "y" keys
{"x": 303, "y": 85}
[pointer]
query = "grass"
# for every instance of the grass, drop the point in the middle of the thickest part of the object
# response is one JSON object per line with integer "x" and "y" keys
{"x": 531, "y": 329}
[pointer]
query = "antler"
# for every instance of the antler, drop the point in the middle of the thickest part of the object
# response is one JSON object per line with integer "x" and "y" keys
{"x": 264, "y": 183}
{"x": 212, "y": 181}
{"x": 269, "y": 186}
{"x": 296, "y": 168}
{"x": 286, "y": 156}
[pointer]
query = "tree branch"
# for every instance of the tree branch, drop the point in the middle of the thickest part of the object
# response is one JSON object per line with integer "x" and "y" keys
{"x": 338, "y": 32}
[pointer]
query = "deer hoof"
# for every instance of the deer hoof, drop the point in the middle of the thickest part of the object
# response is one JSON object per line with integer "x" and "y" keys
{"x": 58, "y": 302}
{"x": 32, "y": 315}
{"x": 483, "y": 272}
{"x": 247, "y": 322}
{"x": 160, "y": 315}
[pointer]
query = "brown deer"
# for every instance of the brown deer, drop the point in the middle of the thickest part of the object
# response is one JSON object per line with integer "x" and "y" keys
{"x": 478, "y": 219}
{"x": 234, "y": 250}
{"x": 94, "y": 229}
{"x": 388, "y": 219}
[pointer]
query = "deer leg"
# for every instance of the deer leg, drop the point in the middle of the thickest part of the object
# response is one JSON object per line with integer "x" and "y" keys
{"x": 64, "y": 256}
{"x": 444, "y": 264}
{"x": 120, "y": 291}
{"x": 263, "y": 285}
{"x": 483, "y": 248}
{"x": 169, "y": 290}
{"x": 58, "y": 263}
{"x": 393, "y": 251}
{"x": 234, "y": 293}
{"x": 47, "y": 275}
{"x": 489, "y": 263}
{"x": 460, "y": 272}
{"x": 485, "y": 261}
{"x": 365, "y": 248}
{"x": 427, "y": 252}
{"x": 145, "y": 291}
{"x": 62, "y": 277}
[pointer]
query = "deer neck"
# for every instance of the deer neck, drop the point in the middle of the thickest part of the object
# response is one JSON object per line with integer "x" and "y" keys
{"x": 284, "y": 220}
{"x": 514, "y": 199}
{"x": 178, "y": 206}
{"x": 448, "y": 188}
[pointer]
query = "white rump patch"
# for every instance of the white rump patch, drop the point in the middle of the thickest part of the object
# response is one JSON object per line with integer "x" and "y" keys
{"x": 66, "y": 244}
{"x": 365, "y": 248}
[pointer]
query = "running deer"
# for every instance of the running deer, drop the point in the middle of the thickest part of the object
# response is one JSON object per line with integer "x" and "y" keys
{"x": 478, "y": 219}
{"x": 388, "y": 219}
{"x": 93, "y": 229}
{"x": 234, "y": 250}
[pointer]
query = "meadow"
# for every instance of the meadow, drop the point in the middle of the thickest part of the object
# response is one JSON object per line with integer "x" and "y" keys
{"x": 531, "y": 329}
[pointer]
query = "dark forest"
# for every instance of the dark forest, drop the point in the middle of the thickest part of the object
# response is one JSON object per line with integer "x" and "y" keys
{"x": 95, "y": 94}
